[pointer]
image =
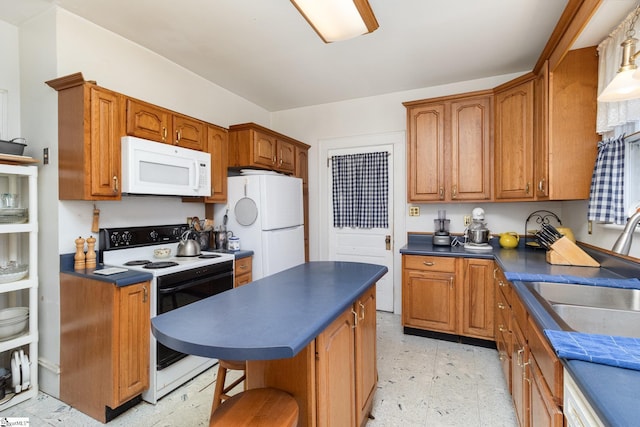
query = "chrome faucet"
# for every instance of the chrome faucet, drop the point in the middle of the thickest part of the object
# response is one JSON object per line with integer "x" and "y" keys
{"x": 623, "y": 244}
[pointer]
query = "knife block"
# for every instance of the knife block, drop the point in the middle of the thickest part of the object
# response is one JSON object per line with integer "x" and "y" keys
{"x": 564, "y": 252}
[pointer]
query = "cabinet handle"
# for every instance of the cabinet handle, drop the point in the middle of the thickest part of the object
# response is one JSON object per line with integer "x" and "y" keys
{"x": 145, "y": 294}
{"x": 178, "y": 136}
{"x": 361, "y": 310}
{"x": 244, "y": 267}
{"x": 274, "y": 160}
{"x": 164, "y": 133}
{"x": 519, "y": 357}
{"x": 454, "y": 191}
{"x": 495, "y": 271}
{"x": 526, "y": 188}
{"x": 541, "y": 185}
{"x": 429, "y": 263}
{"x": 280, "y": 158}
{"x": 502, "y": 357}
{"x": 501, "y": 284}
{"x": 451, "y": 282}
{"x": 115, "y": 184}
{"x": 355, "y": 319}
{"x": 501, "y": 328}
{"x": 501, "y": 306}
{"x": 524, "y": 372}
{"x": 441, "y": 193}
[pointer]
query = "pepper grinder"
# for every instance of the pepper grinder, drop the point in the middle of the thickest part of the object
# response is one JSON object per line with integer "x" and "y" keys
{"x": 91, "y": 253}
{"x": 79, "y": 257}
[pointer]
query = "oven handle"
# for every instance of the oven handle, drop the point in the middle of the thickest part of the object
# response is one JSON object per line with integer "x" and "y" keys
{"x": 193, "y": 283}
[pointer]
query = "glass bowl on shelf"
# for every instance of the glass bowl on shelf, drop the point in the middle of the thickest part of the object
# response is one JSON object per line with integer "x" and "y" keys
{"x": 13, "y": 272}
{"x": 13, "y": 215}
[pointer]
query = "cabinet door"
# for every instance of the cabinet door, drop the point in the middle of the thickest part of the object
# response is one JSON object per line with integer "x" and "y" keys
{"x": 477, "y": 297}
{"x": 336, "y": 372}
{"x": 471, "y": 172}
{"x": 189, "y": 133}
{"x": 366, "y": 371}
{"x": 105, "y": 143}
{"x": 426, "y": 153}
{"x": 302, "y": 171}
{"x": 148, "y": 121}
{"x": 286, "y": 156}
{"x": 541, "y": 133}
{"x": 519, "y": 384}
{"x": 132, "y": 329}
{"x": 264, "y": 149}
{"x": 218, "y": 145}
{"x": 543, "y": 410}
{"x": 428, "y": 300}
{"x": 514, "y": 143}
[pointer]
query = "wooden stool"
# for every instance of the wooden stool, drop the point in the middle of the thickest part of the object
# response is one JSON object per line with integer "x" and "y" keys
{"x": 258, "y": 407}
{"x": 221, "y": 391}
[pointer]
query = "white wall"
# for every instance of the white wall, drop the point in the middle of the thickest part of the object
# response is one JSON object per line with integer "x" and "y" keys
{"x": 10, "y": 80}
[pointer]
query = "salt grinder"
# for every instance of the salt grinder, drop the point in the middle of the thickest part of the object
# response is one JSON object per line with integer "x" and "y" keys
{"x": 79, "y": 257}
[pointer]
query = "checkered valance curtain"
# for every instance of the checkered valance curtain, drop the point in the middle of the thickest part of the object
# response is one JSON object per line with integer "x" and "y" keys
{"x": 606, "y": 199}
{"x": 360, "y": 190}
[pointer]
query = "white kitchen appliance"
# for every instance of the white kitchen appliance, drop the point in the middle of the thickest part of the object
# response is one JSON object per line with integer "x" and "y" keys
{"x": 150, "y": 167}
{"x": 477, "y": 233}
{"x": 266, "y": 213}
{"x": 177, "y": 281}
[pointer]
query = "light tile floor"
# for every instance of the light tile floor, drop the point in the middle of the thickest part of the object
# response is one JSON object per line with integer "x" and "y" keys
{"x": 421, "y": 382}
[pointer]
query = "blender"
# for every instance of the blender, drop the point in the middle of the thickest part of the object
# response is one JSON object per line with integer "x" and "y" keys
{"x": 441, "y": 236}
{"x": 477, "y": 235}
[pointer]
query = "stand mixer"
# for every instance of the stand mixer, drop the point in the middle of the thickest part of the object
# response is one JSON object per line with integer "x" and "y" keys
{"x": 477, "y": 234}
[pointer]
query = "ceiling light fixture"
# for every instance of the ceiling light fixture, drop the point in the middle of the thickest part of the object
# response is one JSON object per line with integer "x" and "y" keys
{"x": 336, "y": 20}
{"x": 626, "y": 84}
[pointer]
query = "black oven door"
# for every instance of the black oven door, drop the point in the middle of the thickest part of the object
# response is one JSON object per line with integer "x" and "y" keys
{"x": 185, "y": 287}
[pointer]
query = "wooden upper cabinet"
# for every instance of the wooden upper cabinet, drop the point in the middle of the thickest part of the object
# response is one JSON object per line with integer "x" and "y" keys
{"x": 148, "y": 121}
{"x": 449, "y": 148}
{"x": 514, "y": 140}
{"x": 252, "y": 145}
{"x": 155, "y": 123}
{"x": 471, "y": 133}
{"x": 90, "y": 124}
{"x": 189, "y": 133}
{"x": 572, "y": 139}
{"x": 541, "y": 133}
{"x": 218, "y": 147}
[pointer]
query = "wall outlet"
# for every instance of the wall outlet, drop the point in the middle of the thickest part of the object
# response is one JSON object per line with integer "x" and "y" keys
{"x": 467, "y": 220}
{"x": 414, "y": 211}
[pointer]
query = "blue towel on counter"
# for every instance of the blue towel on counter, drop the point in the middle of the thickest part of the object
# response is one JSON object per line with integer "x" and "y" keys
{"x": 633, "y": 283}
{"x": 621, "y": 352}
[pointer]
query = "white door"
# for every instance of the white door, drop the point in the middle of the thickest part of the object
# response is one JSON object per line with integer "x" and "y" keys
{"x": 372, "y": 245}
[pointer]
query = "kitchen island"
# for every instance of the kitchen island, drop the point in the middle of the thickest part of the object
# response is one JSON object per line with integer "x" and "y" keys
{"x": 308, "y": 330}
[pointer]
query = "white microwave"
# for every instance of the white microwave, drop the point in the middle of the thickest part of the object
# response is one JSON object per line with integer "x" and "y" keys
{"x": 162, "y": 169}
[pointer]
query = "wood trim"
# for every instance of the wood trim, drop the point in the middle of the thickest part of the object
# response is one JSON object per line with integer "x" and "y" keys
{"x": 66, "y": 82}
{"x": 457, "y": 96}
{"x": 259, "y": 128}
{"x": 572, "y": 22}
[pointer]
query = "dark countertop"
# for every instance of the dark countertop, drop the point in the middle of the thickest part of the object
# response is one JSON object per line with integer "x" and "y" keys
{"x": 612, "y": 392}
{"x": 126, "y": 278}
{"x": 271, "y": 318}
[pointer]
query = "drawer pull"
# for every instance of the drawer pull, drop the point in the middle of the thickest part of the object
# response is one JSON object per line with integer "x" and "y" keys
{"x": 501, "y": 306}
{"x": 501, "y": 284}
{"x": 501, "y": 328}
{"x": 429, "y": 263}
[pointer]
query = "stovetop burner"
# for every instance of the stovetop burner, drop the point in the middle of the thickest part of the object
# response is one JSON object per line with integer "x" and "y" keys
{"x": 207, "y": 256}
{"x": 161, "y": 264}
{"x": 138, "y": 262}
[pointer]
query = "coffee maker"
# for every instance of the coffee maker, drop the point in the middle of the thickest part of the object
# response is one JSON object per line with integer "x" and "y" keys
{"x": 441, "y": 236}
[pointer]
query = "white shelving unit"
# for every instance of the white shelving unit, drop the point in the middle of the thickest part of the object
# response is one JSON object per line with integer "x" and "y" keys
{"x": 19, "y": 242}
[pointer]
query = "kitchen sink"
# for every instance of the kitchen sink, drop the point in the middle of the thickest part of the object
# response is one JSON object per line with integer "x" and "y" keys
{"x": 591, "y": 309}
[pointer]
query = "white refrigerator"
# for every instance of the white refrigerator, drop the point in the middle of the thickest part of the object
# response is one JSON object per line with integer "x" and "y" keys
{"x": 266, "y": 213}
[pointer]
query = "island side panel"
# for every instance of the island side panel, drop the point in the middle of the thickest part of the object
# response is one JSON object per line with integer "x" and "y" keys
{"x": 295, "y": 375}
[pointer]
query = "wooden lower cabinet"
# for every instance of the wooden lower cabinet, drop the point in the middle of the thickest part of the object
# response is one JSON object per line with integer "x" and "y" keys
{"x": 531, "y": 368}
{"x": 243, "y": 271}
{"x": 449, "y": 295}
{"x": 334, "y": 378}
{"x": 104, "y": 344}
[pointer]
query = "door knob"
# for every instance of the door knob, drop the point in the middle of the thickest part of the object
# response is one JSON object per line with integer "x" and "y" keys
{"x": 387, "y": 242}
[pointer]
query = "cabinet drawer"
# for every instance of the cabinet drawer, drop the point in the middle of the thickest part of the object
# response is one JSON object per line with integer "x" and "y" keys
{"x": 547, "y": 361}
{"x": 503, "y": 285}
{"x": 503, "y": 315}
{"x": 429, "y": 263}
{"x": 243, "y": 265}
{"x": 519, "y": 314}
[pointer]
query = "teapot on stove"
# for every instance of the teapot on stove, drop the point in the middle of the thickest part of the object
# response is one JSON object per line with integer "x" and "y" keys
{"x": 188, "y": 246}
